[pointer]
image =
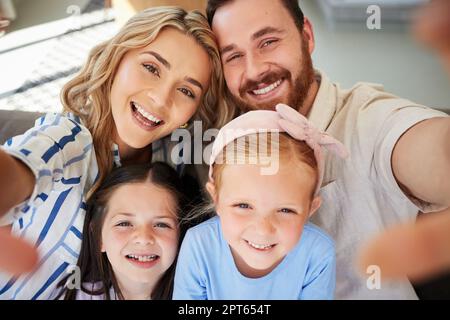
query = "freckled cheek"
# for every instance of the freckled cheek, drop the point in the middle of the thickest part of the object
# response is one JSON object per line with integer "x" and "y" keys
{"x": 233, "y": 226}
{"x": 169, "y": 244}
{"x": 116, "y": 240}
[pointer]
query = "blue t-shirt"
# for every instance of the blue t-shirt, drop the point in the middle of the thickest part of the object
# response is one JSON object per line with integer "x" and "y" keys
{"x": 206, "y": 269}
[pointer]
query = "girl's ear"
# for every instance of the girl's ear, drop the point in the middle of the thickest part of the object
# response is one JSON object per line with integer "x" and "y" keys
{"x": 211, "y": 188}
{"x": 315, "y": 204}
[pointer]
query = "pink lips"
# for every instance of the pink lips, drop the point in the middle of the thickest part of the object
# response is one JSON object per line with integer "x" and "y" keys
{"x": 142, "y": 121}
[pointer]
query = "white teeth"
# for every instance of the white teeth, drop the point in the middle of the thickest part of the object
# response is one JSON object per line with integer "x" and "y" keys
{"x": 142, "y": 258}
{"x": 267, "y": 89}
{"x": 260, "y": 246}
{"x": 146, "y": 114}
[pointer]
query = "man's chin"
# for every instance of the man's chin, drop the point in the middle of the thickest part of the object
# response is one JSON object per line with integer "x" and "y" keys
{"x": 261, "y": 105}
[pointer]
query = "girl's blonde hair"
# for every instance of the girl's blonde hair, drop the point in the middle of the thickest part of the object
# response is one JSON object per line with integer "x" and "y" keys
{"x": 258, "y": 149}
{"x": 88, "y": 94}
{"x": 263, "y": 147}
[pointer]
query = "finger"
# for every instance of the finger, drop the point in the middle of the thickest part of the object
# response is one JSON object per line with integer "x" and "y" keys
{"x": 418, "y": 251}
{"x": 16, "y": 255}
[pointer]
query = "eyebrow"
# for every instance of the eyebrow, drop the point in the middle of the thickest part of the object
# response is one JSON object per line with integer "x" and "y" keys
{"x": 194, "y": 82}
{"x": 256, "y": 35}
{"x": 133, "y": 215}
{"x": 264, "y": 31}
{"x": 159, "y": 58}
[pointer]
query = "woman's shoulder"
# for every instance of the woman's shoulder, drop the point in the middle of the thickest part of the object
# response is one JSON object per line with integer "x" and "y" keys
{"x": 59, "y": 119}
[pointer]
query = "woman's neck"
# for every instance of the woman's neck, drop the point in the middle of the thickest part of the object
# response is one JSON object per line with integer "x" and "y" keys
{"x": 129, "y": 155}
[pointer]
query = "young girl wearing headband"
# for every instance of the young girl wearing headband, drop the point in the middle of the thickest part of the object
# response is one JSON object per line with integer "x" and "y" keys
{"x": 261, "y": 245}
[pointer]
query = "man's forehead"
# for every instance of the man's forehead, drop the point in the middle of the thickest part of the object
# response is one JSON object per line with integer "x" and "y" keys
{"x": 233, "y": 22}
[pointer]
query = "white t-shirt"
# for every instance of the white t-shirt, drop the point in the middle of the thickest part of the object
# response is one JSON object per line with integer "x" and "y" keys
{"x": 360, "y": 195}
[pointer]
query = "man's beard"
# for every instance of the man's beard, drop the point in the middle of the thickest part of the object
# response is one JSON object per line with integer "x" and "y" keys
{"x": 296, "y": 96}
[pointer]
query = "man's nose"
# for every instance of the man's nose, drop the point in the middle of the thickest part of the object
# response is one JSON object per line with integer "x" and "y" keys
{"x": 256, "y": 68}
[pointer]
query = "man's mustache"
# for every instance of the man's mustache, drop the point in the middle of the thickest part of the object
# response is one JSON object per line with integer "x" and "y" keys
{"x": 267, "y": 78}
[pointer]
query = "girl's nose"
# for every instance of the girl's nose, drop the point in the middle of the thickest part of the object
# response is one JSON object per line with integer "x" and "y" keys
{"x": 145, "y": 236}
{"x": 265, "y": 226}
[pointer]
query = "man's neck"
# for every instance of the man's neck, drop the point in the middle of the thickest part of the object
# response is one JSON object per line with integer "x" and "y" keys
{"x": 310, "y": 98}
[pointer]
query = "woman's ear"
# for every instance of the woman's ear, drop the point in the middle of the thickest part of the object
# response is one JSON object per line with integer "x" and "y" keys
{"x": 315, "y": 204}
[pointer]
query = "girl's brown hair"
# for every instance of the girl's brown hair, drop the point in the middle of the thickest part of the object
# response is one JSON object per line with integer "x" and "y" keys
{"x": 93, "y": 264}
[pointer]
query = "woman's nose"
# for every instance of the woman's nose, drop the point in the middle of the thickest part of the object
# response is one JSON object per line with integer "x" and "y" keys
{"x": 160, "y": 96}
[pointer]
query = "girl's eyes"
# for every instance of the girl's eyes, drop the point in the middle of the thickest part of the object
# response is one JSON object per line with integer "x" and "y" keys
{"x": 163, "y": 225}
{"x": 151, "y": 68}
{"x": 286, "y": 210}
{"x": 242, "y": 206}
{"x": 123, "y": 224}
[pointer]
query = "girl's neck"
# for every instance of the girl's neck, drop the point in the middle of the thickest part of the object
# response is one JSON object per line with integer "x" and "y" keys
{"x": 135, "y": 291}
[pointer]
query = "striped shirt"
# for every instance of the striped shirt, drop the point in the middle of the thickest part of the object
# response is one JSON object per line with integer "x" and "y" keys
{"x": 60, "y": 153}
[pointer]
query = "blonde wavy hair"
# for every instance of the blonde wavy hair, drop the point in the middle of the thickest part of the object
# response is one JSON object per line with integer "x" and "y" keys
{"x": 88, "y": 94}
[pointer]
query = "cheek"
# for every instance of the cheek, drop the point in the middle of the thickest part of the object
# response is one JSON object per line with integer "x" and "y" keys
{"x": 231, "y": 75}
{"x": 169, "y": 244}
{"x": 114, "y": 241}
{"x": 183, "y": 112}
{"x": 291, "y": 233}
{"x": 126, "y": 81}
{"x": 232, "y": 226}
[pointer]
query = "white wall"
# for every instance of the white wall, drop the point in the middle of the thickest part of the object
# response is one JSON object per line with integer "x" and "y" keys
{"x": 352, "y": 53}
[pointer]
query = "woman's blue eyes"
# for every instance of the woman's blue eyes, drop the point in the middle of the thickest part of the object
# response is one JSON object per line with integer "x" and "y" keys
{"x": 242, "y": 206}
{"x": 286, "y": 210}
{"x": 154, "y": 70}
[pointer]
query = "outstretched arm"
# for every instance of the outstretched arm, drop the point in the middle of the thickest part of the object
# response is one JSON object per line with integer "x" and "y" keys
{"x": 16, "y": 185}
{"x": 421, "y": 163}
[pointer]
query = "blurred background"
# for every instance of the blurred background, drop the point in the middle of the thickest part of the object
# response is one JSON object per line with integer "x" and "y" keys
{"x": 48, "y": 40}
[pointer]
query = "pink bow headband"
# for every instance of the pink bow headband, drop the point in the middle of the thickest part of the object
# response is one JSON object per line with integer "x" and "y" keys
{"x": 284, "y": 119}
